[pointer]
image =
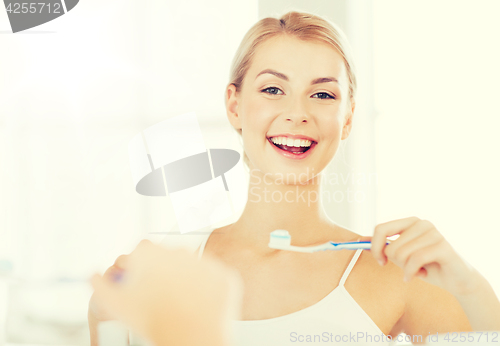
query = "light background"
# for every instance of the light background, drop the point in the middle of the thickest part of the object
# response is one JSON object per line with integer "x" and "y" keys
{"x": 74, "y": 91}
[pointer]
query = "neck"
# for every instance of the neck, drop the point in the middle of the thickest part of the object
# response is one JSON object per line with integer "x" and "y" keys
{"x": 274, "y": 204}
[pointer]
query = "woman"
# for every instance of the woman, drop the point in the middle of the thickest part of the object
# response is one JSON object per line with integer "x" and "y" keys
{"x": 291, "y": 97}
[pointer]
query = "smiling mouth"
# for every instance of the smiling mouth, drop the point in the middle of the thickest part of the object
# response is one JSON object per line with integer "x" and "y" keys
{"x": 291, "y": 149}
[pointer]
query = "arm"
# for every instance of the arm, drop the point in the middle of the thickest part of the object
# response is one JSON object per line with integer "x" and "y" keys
{"x": 95, "y": 313}
{"x": 172, "y": 298}
{"x": 481, "y": 305}
{"x": 423, "y": 253}
{"x": 429, "y": 310}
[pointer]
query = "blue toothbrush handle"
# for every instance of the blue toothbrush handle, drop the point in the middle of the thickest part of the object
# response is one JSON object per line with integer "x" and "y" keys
{"x": 354, "y": 245}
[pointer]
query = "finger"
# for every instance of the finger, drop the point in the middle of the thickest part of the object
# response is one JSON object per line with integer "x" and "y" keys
{"x": 419, "y": 259}
{"x": 384, "y": 230}
{"x": 109, "y": 270}
{"x": 144, "y": 243}
{"x": 413, "y": 239}
{"x": 147, "y": 255}
{"x": 369, "y": 238}
{"x": 408, "y": 236}
{"x": 412, "y": 232}
{"x": 107, "y": 295}
{"x": 144, "y": 248}
{"x": 112, "y": 272}
{"x": 121, "y": 261}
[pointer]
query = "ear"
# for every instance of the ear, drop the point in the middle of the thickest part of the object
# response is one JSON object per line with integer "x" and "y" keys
{"x": 346, "y": 130}
{"x": 231, "y": 99}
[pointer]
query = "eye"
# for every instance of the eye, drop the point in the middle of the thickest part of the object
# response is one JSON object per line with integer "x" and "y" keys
{"x": 328, "y": 96}
{"x": 273, "y": 90}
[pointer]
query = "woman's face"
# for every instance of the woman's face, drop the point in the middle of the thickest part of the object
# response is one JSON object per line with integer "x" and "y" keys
{"x": 286, "y": 101}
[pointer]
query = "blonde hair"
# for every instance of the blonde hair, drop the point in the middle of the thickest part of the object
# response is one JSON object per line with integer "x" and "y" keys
{"x": 304, "y": 26}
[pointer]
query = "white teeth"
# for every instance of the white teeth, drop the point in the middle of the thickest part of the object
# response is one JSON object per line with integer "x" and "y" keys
{"x": 291, "y": 142}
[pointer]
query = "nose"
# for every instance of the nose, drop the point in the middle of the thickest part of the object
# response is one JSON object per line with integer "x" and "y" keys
{"x": 297, "y": 119}
{"x": 297, "y": 112}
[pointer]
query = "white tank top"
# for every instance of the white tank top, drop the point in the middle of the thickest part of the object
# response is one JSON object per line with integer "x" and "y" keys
{"x": 335, "y": 319}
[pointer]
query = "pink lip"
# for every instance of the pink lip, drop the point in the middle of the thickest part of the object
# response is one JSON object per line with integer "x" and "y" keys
{"x": 289, "y": 155}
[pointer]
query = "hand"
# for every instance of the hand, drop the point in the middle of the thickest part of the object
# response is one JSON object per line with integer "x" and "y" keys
{"x": 421, "y": 251}
{"x": 171, "y": 290}
{"x": 96, "y": 311}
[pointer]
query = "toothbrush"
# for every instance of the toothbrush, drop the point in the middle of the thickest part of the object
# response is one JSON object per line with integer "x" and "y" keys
{"x": 281, "y": 240}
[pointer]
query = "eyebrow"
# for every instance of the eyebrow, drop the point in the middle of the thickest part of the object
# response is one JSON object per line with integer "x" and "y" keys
{"x": 314, "y": 81}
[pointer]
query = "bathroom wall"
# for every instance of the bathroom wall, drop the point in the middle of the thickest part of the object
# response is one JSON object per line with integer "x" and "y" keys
{"x": 73, "y": 92}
